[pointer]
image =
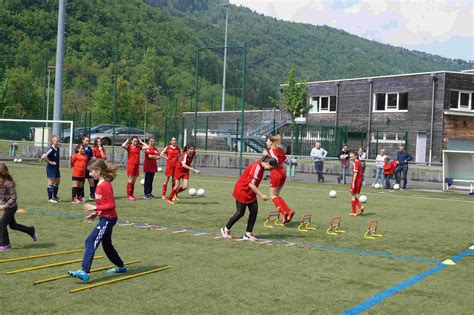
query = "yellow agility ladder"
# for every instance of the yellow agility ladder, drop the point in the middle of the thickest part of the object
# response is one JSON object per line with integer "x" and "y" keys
{"x": 371, "y": 232}
{"x": 273, "y": 216}
{"x": 334, "y": 227}
{"x": 305, "y": 224}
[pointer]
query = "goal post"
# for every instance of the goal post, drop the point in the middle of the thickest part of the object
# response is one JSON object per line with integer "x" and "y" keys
{"x": 35, "y": 133}
{"x": 458, "y": 169}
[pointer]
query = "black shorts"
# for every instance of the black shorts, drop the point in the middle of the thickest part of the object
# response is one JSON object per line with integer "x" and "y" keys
{"x": 78, "y": 179}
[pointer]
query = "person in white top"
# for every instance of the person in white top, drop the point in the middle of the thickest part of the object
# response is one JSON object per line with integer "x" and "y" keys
{"x": 362, "y": 157}
{"x": 319, "y": 154}
{"x": 379, "y": 162}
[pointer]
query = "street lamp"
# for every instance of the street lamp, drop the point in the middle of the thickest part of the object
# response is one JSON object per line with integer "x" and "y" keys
{"x": 226, "y": 5}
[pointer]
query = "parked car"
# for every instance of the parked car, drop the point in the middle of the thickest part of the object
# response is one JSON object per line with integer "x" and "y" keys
{"x": 79, "y": 132}
{"x": 121, "y": 134}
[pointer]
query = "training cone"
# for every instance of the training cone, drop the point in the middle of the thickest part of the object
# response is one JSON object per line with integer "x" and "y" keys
{"x": 448, "y": 262}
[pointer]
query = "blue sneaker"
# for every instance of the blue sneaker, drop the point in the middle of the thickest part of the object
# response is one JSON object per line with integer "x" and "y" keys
{"x": 79, "y": 274}
{"x": 118, "y": 270}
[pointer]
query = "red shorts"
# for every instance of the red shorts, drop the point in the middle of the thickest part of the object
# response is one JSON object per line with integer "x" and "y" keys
{"x": 277, "y": 178}
{"x": 356, "y": 189}
{"x": 184, "y": 175}
{"x": 169, "y": 170}
{"x": 133, "y": 170}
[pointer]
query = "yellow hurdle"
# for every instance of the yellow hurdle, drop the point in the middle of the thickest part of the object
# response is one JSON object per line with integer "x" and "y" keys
{"x": 93, "y": 270}
{"x": 48, "y": 265}
{"x": 41, "y": 256}
{"x": 119, "y": 279}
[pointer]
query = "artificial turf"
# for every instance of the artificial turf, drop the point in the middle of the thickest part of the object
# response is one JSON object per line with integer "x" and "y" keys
{"x": 320, "y": 274}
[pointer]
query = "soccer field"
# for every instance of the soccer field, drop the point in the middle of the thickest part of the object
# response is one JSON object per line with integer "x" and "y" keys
{"x": 310, "y": 272}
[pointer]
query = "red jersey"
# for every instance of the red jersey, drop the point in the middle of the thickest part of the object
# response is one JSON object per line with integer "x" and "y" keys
{"x": 104, "y": 200}
{"x": 279, "y": 155}
{"x": 357, "y": 171}
{"x": 187, "y": 159}
{"x": 149, "y": 164}
{"x": 79, "y": 165}
{"x": 99, "y": 154}
{"x": 388, "y": 168}
{"x": 253, "y": 174}
{"x": 134, "y": 154}
{"x": 172, "y": 154}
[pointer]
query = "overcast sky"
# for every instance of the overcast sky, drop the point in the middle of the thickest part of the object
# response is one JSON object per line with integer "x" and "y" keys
{"x": 442, "y": 27}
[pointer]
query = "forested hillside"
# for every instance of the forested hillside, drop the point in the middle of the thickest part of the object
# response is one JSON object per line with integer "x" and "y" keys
{"x": 157, "y": 42}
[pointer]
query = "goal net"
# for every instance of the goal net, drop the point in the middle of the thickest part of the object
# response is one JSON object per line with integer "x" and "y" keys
{"x": 458, "y": 169}
{"x": 28, "y": 139}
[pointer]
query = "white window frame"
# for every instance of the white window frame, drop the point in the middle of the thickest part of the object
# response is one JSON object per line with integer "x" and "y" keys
{"x": 319, "y": 110}
{"x": 397, "y": 140}
{"x": 469, "y": 105}
{"x": 397, "y": 110}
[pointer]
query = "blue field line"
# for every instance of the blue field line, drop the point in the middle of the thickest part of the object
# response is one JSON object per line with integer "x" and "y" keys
{"x": 274, "y": 241}
{"x": 379, "y": 297}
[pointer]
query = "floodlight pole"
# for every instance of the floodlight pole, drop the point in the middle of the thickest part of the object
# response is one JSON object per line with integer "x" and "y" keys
{"x": 114, "y": 111}
{"x": 225, "y": 56}
{"x": 58, "y": 80}
{"x": 243, "y": 109}
{"x": 197, "y": 95}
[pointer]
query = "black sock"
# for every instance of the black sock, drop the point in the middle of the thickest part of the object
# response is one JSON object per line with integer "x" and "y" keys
{"x": 74, "y": 192}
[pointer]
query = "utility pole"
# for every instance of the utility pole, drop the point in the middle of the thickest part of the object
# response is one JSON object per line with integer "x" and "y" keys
{"x": 226, "y": 5}
{"x": 58, "y": 80}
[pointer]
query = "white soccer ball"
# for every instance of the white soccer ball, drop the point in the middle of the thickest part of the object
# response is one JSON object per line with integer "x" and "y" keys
{"x": 192, "y": 192}
{"x": 396, "y": 186}
{"x": 142, "y": 181}
{"x": 15, "y": 160}
{"x": 160, "y": 169}
{"x": 200, "y": 192}
{"x": 332, "y": 194}
{"x": 19, "y": 161}
{"x": 377, "y": 186}
{"x": 363, "y": 198}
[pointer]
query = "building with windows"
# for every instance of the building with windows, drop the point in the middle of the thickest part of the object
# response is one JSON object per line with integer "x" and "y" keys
{"x": 424, "y": 111}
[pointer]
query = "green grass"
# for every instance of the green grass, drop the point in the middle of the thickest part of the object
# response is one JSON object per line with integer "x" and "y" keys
{"x": 220, "y": 276}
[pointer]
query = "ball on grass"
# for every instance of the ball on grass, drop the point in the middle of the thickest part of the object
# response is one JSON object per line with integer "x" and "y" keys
{"x": 192, "y": 192}
{"x": 377, "y": 186}
{"x": 332, "y": 194}
{"x": 160, "y": 169}
{"x": 19, "y": 161}
{"x": 200, "y": 192}
{"x": 142, "y": 181}
{"x": 15, "y": 160}
{"x": 396, "y": 186}
{"x": 363, "y": 198}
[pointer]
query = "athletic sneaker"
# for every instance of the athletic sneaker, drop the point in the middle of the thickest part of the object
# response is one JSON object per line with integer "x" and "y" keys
{"x": 292, "y": 214}
{"x": 147, "y": 197}
{"x": 76, "y": 200}
{"x": 163, "y": 197}
{"x": 57, "y": 199}
{"x": 362, "y": 211}
{"x": 4, "y": 248}
{"x": 284, "y": 218}
{"x": 53, "y": 201}
{"x": 131, "y": 198}
{"x": 169, "y": 202}
{"x": 248, "y": 236}
{"x": 118, "y": 270}
{"x": 79, "y": 274}
{"x": 226, "y": 233}
{"x": 35, "y": 234}
{"x": 175, "y": 198}
{"x": 152, "y": 196}
{"x": 352, "y": 214}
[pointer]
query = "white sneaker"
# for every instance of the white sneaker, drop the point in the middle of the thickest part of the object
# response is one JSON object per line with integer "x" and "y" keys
{"x": 248, "y": 236}
{"x": 226, "y": 233}
{"x": 53, "y": 201}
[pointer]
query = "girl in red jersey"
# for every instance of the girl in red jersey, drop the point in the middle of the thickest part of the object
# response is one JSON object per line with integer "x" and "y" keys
{"x": 171, "y": 153}
{"x": 278, "y": 177}
{"x": 133, "y": 147}
{"x": 149, "y": 168}
{"x": 79, "y": 169}
{"x": 245, "y": 194}
{"x": 356, "y": 183}
{"x": 182, "y": 172}
{"x": 105, "y": 210}
{"x": 98, "y": 151}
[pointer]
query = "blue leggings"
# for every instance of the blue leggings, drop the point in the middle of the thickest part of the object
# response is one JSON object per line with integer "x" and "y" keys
{"x": 101, "y": 233}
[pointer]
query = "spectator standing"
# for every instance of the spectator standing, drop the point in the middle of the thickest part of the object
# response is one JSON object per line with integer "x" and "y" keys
{"x": 362, "y": 157}
{"x": 403, "y": 158}
{"x": 379, "y": 165}
{"x": 319, "y": 154}
{"x": 345, "y": 163}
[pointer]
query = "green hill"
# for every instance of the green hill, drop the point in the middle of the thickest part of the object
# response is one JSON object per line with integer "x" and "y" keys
{"x": 157, "y": 41}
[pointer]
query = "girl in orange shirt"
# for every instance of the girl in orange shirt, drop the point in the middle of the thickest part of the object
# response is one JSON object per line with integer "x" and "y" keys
{"x": 79, "y": 169}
